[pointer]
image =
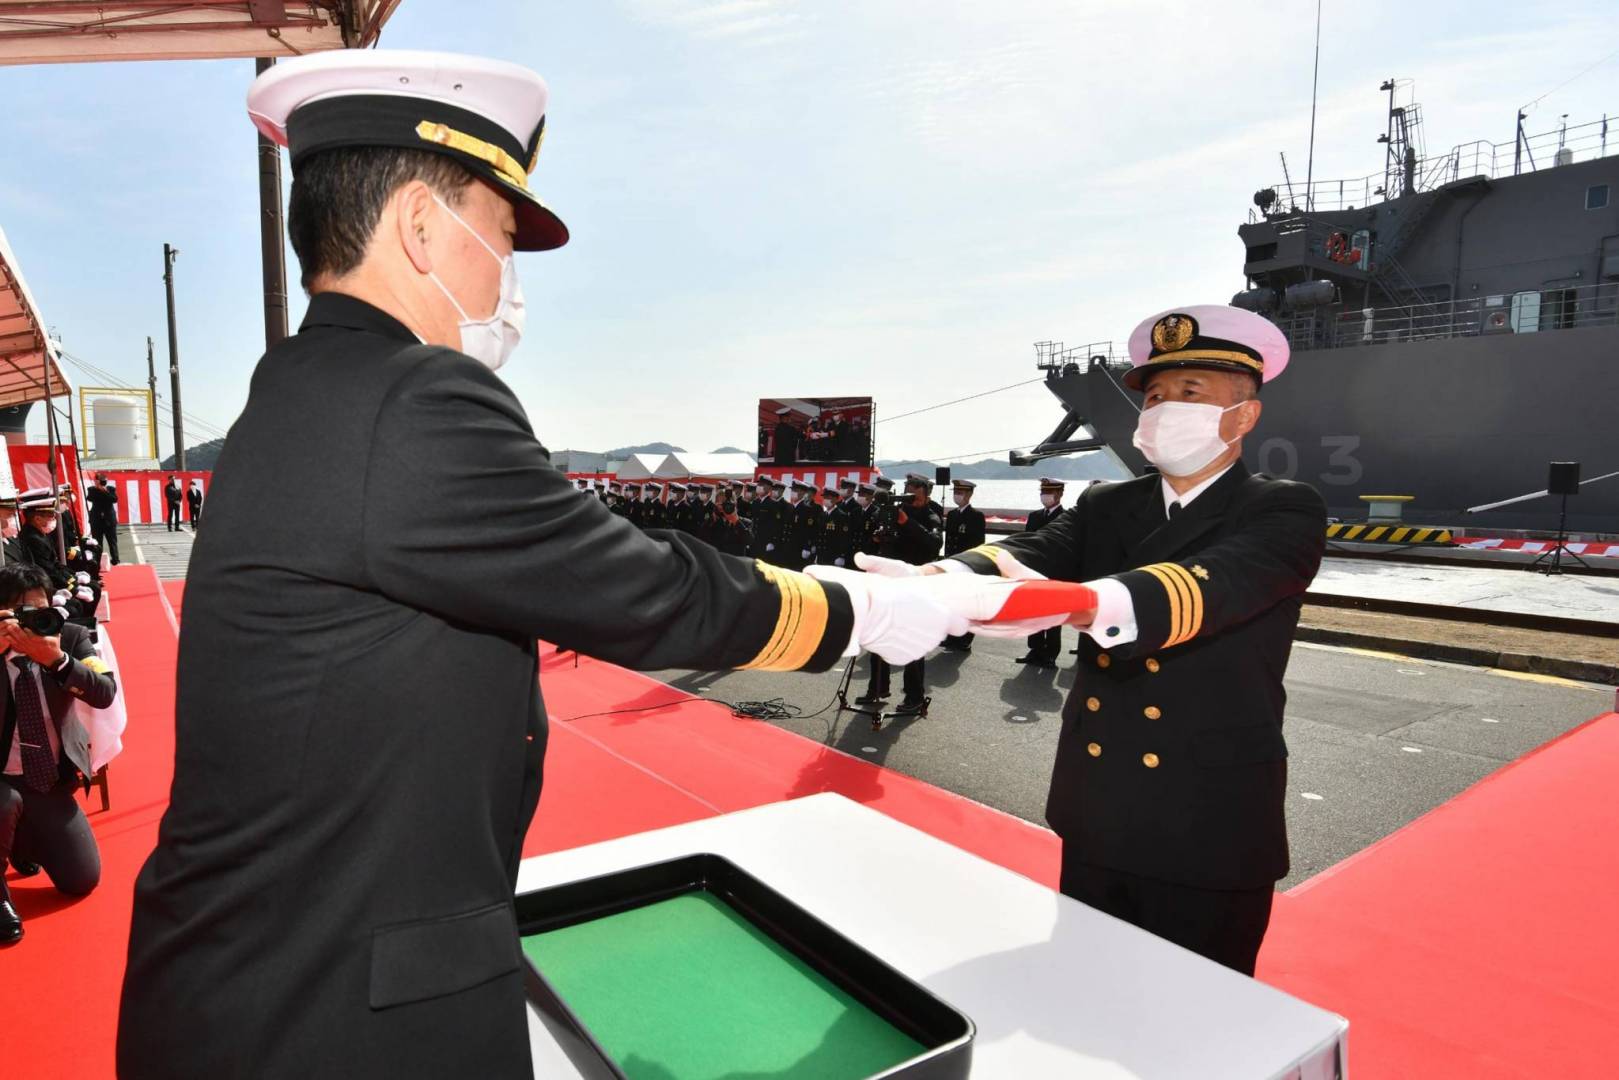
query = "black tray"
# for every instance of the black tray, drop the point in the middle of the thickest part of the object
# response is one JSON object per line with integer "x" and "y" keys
{"x": 946, "y": 1033}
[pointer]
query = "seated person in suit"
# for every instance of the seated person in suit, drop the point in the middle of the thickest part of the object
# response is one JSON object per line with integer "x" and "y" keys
{"x": 41, "y": 825}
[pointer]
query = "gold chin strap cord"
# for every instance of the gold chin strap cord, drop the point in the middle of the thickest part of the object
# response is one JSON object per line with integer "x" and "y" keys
{"x": 502, "y": 162}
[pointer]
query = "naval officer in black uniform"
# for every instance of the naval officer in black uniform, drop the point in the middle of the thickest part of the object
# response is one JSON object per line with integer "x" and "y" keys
{"x": 359, "y": 728}
{"x": 1171, "y": 767}
{"x": 1045, "y": 645}
{"x": 963, "y": 530}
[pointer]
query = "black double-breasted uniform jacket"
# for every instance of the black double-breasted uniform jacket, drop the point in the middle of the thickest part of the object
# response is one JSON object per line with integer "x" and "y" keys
{"x": 805, "y": 531}
{"x": 963, "y": 529}
{"x": 40, "y": 549}
{"x": 769, "y": 515}
{"x": 917, "y": 537}
{"x": 103, "y": 505}
{"x": 838, "y": 537}
{"x": 1171, "y": 762}
{"x": 359, "y": 723}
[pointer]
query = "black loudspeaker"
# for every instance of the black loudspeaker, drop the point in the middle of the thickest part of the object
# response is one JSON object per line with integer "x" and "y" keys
{"x": 1563, "y": 478}
{"x": 941, "y": 475}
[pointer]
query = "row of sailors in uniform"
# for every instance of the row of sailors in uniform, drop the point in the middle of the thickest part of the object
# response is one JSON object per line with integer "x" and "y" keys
{"x": 28, "y": 524}
{"x": 783, "y": 524}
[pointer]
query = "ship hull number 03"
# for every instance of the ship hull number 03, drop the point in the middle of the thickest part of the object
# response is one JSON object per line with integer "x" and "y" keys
{"x": 1279, "y": 457}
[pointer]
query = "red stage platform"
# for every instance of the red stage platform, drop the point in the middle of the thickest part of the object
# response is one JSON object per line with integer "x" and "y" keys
{"x": 1478, "y": 941}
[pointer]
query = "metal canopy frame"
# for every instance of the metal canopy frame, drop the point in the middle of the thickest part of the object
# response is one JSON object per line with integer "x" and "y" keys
{"x": 83, "y": 31}
{"x": 29, "y": 370}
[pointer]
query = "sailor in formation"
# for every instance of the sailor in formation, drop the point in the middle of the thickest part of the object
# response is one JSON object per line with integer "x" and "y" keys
{"x": 358, "y": 726}
{"x": 1045, "y": 646}
{"x": 806, "y": 523}
{"x": 963, "y": 530}
{"x": 1171, "y": 770}
{"x": 910, "y": 534}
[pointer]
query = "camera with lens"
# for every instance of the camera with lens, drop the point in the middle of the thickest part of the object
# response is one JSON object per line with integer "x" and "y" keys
{"x": 44, "y": 621}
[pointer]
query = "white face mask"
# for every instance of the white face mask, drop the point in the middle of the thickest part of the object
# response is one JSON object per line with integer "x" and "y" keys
{"x": 863, "y": 500}
{"x": 960, "y": 499}
{"x": 1048, "y": 500}
{"x": 1181, "y": 437}
{"x": 793, "y": 497}
{"x": 489, "y": 341}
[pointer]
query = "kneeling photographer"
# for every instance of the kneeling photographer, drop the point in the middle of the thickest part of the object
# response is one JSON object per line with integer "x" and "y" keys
{"x": 49, "y": 664}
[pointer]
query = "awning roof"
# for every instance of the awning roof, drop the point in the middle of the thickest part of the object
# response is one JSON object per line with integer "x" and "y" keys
{"x": 79, "y": 31}
{"x": 26, "y": 354}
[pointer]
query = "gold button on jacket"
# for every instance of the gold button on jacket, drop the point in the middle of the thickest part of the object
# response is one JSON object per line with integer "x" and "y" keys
{"x": 1152, "y": 712}
{"x": 1093, "y": 704}
{"x": 1153, "y": 665}
{"x": 1149, "y": 760}
{"x": 1104, "y": 660}
{"x": 1094, "y": 749}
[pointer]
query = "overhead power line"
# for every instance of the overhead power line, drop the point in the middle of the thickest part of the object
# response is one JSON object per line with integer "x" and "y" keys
{"x": 101, "y": 374}
{"x": 958, "y": 401}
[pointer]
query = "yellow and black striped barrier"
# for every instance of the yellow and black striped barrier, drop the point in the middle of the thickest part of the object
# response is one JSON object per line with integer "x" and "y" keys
{"x": 1388, "y": 534}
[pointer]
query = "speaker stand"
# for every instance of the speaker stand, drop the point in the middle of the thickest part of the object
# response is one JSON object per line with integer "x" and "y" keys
{"x": 844, "y": 684}
{"x": 1553, "y": 556}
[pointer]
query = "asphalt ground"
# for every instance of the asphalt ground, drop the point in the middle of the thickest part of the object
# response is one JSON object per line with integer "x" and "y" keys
{"x": 167, "y": 552}
{"x": 1375, "y": 739}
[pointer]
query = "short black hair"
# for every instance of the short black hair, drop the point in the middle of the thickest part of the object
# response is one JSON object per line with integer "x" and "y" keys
{"x": 338, "y": 196}
{"x": 19, "y": 578}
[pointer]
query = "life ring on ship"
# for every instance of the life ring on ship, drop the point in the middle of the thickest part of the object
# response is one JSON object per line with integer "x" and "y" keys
{"x": 1337, "y": 247}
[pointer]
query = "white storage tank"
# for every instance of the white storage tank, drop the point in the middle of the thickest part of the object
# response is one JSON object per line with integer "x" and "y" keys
{"x": 119, "y": 432}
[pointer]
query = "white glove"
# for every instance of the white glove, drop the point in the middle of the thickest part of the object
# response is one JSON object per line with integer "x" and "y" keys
{"x": 900, "y": 621}
{"x": 1014, "y": 571}
{"x": 82, "y": 577}
{"x": 770, "y": 547}
{"x": 805, "y": 554}
{"x": 884, "y": 567}
{"x": 85, "y": 595}
{"x": 838, "y": 561}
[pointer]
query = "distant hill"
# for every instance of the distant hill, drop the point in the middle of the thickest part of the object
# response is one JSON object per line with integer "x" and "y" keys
{"x": 200, "y": 458}
{"x": 729, "y": 450}
{"x": 650, "y": 448}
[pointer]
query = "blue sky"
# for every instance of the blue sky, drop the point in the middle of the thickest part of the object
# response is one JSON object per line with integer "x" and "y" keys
{"x": 795, "y": 197}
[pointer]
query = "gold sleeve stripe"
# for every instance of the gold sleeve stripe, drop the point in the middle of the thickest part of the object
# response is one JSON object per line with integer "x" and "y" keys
{"x": 1176, "y": 604}
{"x": 1194, "y": 613}
{"x": 988, "y": 551}
{"x": 800, "y": 623}
{"x": 1185, "y": 601}
{"x": 97, "y": 665}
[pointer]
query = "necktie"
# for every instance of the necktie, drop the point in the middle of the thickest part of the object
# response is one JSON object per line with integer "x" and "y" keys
{"x": 38, "y": 764}
{"x": 1174, "y": 510}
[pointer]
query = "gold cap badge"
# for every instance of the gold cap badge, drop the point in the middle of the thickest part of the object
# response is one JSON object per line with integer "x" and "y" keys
{"x": 1172, "y": 332}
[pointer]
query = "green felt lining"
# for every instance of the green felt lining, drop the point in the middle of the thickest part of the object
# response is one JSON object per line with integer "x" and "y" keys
{"x": 688, "y": 989}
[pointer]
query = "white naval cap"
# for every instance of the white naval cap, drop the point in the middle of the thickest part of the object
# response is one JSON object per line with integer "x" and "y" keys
{"x": 489, "y": 115}
{"x": 1206, "y": 336}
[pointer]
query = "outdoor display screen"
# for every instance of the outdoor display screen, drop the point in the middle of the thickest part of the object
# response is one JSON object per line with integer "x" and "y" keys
{"x": 815, "y": 431}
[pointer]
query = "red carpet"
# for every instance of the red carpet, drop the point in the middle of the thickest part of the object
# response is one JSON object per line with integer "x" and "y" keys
{"x": 1482, "y": 940}
{"x": 72, "y": 954}
{"x": 1479, "y": 941}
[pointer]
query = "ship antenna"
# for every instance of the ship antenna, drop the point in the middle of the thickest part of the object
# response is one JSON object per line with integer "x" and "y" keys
{"x": 1315, "y": 82}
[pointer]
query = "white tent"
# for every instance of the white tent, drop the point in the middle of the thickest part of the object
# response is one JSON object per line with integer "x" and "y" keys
{"x": 642, "y": 467}
{"x": 712, "y": 466}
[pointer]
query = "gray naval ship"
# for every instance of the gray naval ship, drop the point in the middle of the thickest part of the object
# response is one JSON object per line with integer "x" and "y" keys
{"x": 1454, "y": 322}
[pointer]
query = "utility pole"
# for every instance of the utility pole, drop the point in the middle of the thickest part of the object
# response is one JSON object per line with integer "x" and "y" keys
{"x": 174, "y": 361}
{"x": 151, "y": 397}
{"x": 273, "y": 251}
